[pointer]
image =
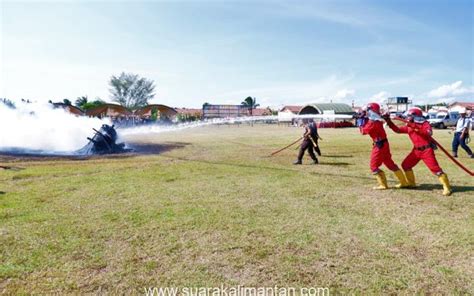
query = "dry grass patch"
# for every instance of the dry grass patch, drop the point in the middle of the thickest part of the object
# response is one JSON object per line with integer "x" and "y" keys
{"x": 217, "y": 210}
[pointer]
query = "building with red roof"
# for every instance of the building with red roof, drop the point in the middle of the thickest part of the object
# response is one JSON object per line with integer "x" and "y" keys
{"x": 262, "y": 111}
{"x": 456, "y": 106}
{"x": 291, "y": 108}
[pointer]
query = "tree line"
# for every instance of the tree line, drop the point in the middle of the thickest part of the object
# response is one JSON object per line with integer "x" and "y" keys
{"x": 131, "y": 91}
{"x": 127, "y": 89}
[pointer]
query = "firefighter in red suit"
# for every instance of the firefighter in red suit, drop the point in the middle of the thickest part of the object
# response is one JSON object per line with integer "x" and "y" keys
{"x": 372, "y": 125}
{"x": 419, "y": 131}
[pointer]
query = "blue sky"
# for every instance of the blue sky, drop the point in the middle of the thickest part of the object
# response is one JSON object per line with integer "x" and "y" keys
{"x": 281, "y": 52}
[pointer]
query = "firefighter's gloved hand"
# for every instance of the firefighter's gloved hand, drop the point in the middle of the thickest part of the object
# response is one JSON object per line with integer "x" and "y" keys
{"x": 365, "y": 120}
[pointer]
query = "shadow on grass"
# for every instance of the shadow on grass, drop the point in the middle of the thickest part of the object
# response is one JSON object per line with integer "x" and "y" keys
{"x": 341, "y": 175}
{"x": 249, "y": 166}
{"x": 245, "y": 144}
{"x": 138, "y": 149}
{"x": 431, "y": 187}
{"x": 148, "y": 148}
{"x": 223, "y": 163}
{"x": 337, "y": 156}
{"x": 335, "y": 163}
{"x": 2, "y": 192}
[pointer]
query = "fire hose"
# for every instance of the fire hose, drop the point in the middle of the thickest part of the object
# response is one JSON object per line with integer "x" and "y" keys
{"x": 444, "y": 150}
{"x": 314, "y": 143}
{"x": 286, "y": 147}
{"x": 316, "y": 146}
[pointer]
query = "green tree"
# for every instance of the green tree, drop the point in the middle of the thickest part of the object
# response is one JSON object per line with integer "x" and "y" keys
{"x": 89, "y": 105}
{"x": 67, "y": 102}
{"x": 81, "y": 101}
{"x": 131, "y": 91}
{"x": 155, "y": 114}
{"x": 250, "y": 103}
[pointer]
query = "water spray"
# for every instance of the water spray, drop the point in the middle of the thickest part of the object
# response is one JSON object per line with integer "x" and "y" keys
{"x": 220, "y": 121}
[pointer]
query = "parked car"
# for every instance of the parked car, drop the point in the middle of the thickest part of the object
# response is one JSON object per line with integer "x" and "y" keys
{"x": 444, "y": 119}
{"x": 394, "y": 114}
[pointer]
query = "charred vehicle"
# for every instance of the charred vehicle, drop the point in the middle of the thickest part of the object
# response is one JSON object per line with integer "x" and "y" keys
{"x": 104, "y": 141}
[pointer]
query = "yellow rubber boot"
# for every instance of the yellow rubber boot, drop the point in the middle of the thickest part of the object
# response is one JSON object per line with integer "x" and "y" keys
{"x": 443, "y": 179}
{"x": 401, "y": 177}
{"x": 380, "y": 176}
{"x": 410, "y": 178}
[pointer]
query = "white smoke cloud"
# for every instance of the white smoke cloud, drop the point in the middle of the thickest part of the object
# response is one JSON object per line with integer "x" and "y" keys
{"x": 41, "y": 127}
{"x": 451, "y": 91}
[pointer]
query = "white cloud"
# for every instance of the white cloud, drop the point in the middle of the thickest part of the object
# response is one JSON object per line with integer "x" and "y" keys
{"x": 451, "y": 91}
{"x": 380, "y": 96}
{"x": 321, "y": 11}
{"x": 371, "y": 17}
{"x": 292, "y": 92}
{"x": 344, "y": 94}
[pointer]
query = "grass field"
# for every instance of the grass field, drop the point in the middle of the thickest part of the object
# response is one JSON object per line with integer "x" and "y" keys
{"x": 207, "y": 206}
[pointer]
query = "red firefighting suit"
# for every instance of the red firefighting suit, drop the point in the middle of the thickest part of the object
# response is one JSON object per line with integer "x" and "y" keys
{"x": 420, "y": 135}
{"x": 381, "y": 149}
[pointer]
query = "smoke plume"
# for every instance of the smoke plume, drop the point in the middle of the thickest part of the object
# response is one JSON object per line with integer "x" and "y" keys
{"x": 43, "y": 129}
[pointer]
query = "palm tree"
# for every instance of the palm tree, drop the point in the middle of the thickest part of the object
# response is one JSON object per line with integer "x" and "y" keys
{"x": 80, "y": 101}
{"x": 250, "y": 103}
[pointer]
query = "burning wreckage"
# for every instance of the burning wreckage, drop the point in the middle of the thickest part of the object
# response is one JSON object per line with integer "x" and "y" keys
{"x": 104, "y": 141}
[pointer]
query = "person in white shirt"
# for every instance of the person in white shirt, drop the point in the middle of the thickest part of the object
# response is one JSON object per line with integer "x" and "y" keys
{"x": 471, "y": 116}
{"x": 461, "y": 134}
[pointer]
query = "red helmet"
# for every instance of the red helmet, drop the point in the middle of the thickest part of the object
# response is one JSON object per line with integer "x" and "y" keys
{"x": 415, "y": 112}
{"x": 373, "y": 107}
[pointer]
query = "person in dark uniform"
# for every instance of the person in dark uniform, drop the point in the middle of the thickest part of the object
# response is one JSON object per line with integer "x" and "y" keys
{"x": 461, "y": 134}
{"x": 310, "y": 139}
{"x": 314, "y": 135}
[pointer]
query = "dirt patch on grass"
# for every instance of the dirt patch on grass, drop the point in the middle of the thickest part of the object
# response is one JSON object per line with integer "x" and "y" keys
{"x": 137, "y": 150}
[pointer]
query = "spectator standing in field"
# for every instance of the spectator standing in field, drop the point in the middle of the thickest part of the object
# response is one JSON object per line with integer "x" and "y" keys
{"x": 461, "y": 134}
{"x": 471, "y": 117}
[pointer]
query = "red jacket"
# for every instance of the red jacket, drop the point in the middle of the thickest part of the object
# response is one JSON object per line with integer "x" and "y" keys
{"x": 419, "y": 133}
{"x": 374, "y": 129}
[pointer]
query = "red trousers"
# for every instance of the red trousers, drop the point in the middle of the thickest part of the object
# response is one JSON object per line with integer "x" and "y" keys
{"x": 428, "y": 158}
{"x": 381, "y": 156}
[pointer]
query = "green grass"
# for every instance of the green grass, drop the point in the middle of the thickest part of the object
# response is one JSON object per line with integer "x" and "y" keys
{"x": 214, "y": 209}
